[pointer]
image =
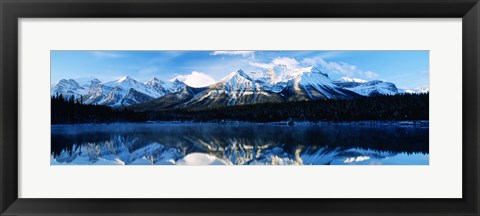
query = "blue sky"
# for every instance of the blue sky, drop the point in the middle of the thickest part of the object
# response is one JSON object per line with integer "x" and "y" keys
{"x": 407, "y": 69}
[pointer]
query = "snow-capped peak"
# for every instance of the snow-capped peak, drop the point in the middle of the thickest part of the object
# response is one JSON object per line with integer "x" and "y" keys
{"x": 283, "y": 73}
{"x": 237, "y": 81}
{"x": 237, "y": 76}
{"x": 154, "y": 79}
{"x": 173, "y": 85}
{"x": 68, "y": 88}
{"x": 125, "y": 78}
{"x": 121, "y": 92}
{"x": 417, "y": 90}
{"x": 422, "y": 89}
{"x": 175, "y": 79}
{"x": 153, "y": 82}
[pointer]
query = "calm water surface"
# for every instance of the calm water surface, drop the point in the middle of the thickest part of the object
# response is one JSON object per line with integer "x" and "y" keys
{"x": 240, "y": 144}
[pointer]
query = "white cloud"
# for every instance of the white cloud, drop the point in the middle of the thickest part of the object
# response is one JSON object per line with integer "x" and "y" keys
{"x": 309, "y": 61}
{"x": 289, "y": 62}
{"x": 261, "y": 65}
{"x": 348, "y": 79}
{"x": 196, "y": 79}
{"x": 370, "y": 74}
{"x": 242, "y": 53}
{"x": 345, "y": 69}
{"x": 106, "y": 54}
{"x": 340, "y": 68}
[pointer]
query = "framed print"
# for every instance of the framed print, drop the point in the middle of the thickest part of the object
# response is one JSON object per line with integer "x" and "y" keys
{"x": 234, "y": 118}
{"x": 180, "y": 107}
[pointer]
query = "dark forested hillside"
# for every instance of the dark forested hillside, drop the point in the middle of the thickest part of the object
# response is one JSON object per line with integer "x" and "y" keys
{"x": 389, "y": 108}
{"x": 397, "y": 107}
{"x": 70, "y": 111}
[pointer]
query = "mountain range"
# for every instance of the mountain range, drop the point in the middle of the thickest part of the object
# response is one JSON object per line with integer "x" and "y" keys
{"x": 279, "y": 84}
{"x": 119, "y": 93}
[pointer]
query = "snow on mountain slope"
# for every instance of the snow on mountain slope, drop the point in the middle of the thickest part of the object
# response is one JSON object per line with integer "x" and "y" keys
{"x": 134, "y": 97}
{"x": 88, "y": 82}
{"x": 235, "y": 88}
{"x": 422, "y": 89}
{"x": 163, "y": 87}
{"x": 237, "y": 84}
{"x": 122, "y": 92}
{"x": 156, "y": 84}
{"x": 307, "y": 83}
{"x": 277, "y": 78}
{"x": 370, "y": 88}
{"x": 126, "y": 83}
{"x": 238, "y": 88}
{"x": 318, "y": 85}
{"x": 278, "y": 84}
{"x": 173, "y": 86}
{"x": 418, "y": 90}
{"x": 169, "y": 101}
{"x": 97, "y": 94}
{"x": 68, "y": 88}
{"x": 303, "y": 84}
{"x": 283, "y": 73}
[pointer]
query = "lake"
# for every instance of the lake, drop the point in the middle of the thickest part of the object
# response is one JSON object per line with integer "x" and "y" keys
{"x": 176, "y": 143}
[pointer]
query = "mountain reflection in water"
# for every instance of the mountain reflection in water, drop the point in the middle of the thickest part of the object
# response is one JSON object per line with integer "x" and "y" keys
{"x": 239, "y": 144}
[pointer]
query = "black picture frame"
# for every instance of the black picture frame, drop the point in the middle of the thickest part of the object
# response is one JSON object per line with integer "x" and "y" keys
{"x": 12, "y": 10}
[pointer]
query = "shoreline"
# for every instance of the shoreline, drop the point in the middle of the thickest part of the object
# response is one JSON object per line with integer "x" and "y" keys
{"x": 418, "y": 123}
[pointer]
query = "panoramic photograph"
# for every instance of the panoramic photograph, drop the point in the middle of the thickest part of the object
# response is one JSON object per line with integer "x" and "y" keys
{"x": 239, "y": 107}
